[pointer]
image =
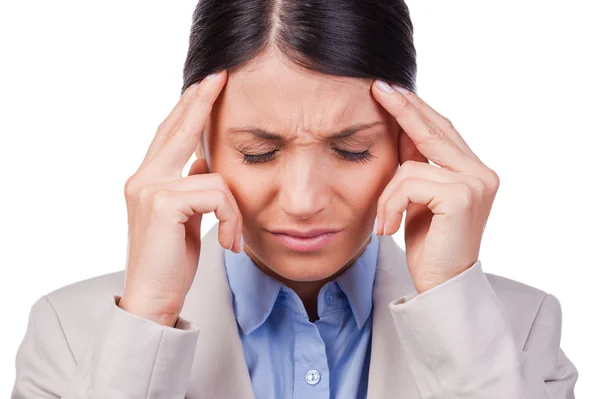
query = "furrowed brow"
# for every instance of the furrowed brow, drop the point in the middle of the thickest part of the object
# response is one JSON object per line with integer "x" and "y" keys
{"x": 344, "y": 133}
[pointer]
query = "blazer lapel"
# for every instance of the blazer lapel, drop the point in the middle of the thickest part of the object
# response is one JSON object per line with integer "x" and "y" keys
{"x": 389, "y": 373}
{"x": 219, "y": 369}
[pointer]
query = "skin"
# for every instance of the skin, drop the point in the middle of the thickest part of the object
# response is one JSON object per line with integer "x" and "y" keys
{"x": 306, "y": 183}
{"x": 447, "y": 203}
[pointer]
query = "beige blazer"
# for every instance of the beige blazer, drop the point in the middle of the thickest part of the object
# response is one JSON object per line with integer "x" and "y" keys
{"x": 475, "y": 336}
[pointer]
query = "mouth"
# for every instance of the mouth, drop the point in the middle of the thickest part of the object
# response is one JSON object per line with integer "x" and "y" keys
{"x": 305, "y": 244}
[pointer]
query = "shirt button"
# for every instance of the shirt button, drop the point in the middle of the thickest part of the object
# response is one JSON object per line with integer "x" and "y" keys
{"x": 328, "y": 298}
{"x": 313, "y": 377}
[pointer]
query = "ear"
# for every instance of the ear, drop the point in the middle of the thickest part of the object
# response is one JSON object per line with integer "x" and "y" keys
{"x": 407, "y": 150}
{"x": 200, "y": 149}
{"x": 199, "y": 153}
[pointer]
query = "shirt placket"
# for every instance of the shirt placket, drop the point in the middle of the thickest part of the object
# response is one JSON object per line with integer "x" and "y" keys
{"x": 311, "y": 371}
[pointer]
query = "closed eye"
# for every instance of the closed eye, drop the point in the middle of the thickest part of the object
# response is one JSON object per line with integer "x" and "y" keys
{"x": 363, "y": 156}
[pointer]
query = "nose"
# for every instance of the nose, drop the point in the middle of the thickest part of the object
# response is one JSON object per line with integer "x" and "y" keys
{"x": 304, "y": 189}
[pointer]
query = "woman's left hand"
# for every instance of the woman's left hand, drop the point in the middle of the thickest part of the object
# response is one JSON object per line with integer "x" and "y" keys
{"x": 447, "y": 206}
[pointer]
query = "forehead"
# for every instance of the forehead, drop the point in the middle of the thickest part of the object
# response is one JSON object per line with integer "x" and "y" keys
{"x": 274, "y": 94}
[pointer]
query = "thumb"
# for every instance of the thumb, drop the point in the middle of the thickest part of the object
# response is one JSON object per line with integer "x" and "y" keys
{"x": 193, "y": 224}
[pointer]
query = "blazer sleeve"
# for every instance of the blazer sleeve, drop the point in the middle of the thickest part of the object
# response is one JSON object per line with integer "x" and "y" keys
{"x": 128, "y": 357}
{"x": 460, "y": 344}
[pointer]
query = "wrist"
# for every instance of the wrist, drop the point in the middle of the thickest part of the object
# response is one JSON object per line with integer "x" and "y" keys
{"x": 163, "y": 315}
{"x": 425, "y": 285}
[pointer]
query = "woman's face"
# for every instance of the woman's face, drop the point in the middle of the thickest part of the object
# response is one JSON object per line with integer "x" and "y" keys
{"x": 306, "y": 180}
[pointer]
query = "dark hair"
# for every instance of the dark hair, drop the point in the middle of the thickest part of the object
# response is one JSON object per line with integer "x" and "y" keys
{"x": 366, "y": 39}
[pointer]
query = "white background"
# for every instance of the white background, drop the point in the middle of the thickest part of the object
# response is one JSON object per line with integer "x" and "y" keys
{"x": 85, "y": 84}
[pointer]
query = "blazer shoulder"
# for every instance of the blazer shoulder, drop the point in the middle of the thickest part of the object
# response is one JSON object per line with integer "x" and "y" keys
{"x": 79, "y": 306}
{"x": 84, "y": 294}
{"x": 91, "y": 287}
{"x": 522, "y": 303}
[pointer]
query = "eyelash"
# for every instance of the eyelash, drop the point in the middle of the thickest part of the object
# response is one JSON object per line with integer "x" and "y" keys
{"x": 363, "y": 157}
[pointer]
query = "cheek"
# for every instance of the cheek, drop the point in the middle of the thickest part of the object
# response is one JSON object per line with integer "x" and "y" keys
{"x": 370, "y": 179}
{"x": 363, "y": 186}
{"x": 245, "y": 185}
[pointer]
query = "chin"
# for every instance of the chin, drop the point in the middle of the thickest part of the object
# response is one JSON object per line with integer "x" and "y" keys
{"x": 316, "y": 266}
{"x": 303, "y": 266}
{"x": 305, "y": 272}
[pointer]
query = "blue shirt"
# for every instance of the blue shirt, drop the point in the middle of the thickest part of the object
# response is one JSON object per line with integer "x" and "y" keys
{"x": 287, "y": 355}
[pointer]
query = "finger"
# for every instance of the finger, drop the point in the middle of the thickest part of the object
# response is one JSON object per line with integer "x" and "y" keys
{"x": 183, "y": 140}
{"x": 190, "y": 203}
{"x": 441, "y": 199}
{"x": 193, "y": 228}
{"x": 408, "y": 152}
{"x": 418, "y": 170}
{"x": 210, "y": 181}
{"x": 430, "y": 139}
{"x": 444, "y": 123}
{"x": 414, "y": 170}
{"x": 169, "y": 123}
{"x": 199, "y": 167}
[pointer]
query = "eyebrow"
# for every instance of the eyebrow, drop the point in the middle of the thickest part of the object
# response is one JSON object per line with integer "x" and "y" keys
{"x": 264, "y": 134}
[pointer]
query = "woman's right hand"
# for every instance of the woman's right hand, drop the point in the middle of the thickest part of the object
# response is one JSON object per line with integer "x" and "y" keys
{"x": 165, "y": 210}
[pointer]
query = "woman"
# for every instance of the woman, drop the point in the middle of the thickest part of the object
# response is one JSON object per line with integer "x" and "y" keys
{"x": 311, "y": 144}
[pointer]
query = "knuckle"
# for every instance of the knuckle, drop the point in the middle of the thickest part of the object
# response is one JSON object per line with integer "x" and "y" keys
{"x": 447, "y": 123}
{"x": 203, "y": 100}
{"x": 403, "y": 102}
{"x": 169, "y": 134}
{"x": 220, "y": 181}
{"x": 130, "y": 187}
{"x": 189, "y": 134}
{"x": 127, "y": 187}
{"x": 406, "y": 169}
{"x": 178, "y": 131}
{"x": 409, "y": 165}
{"x": 201, "y": 94}
{"x": 380, "y": 204}
{"x": 161, "y": 129}
{"x": 419, "y": 101}
{"x": 433, "y": 132}
{"x": 404, "y": 184}
{"x": 390, "y": 208}
{"x": 493, "y": 179}
{"x": 223, "y": 199}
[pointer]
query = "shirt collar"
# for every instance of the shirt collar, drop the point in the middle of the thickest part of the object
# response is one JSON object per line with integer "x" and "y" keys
{"x": 357, "y": 282}
{"x": 255, "y": 293}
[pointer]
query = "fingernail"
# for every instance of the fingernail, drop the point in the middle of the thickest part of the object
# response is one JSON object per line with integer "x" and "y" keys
{"x": 383, "y": 86}
{"x": 400, "y": 89}
{"x": 241, "y": 243}
{"x": 384, "y": 232}
{"x": 212, "y": 75}
{"x": 232, "y": 242}
{"x": 375, "y": 226}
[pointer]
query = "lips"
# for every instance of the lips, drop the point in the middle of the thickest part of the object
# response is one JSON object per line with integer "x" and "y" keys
{"x": 308, "y": 243}
{"x": 305, "y": 234}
